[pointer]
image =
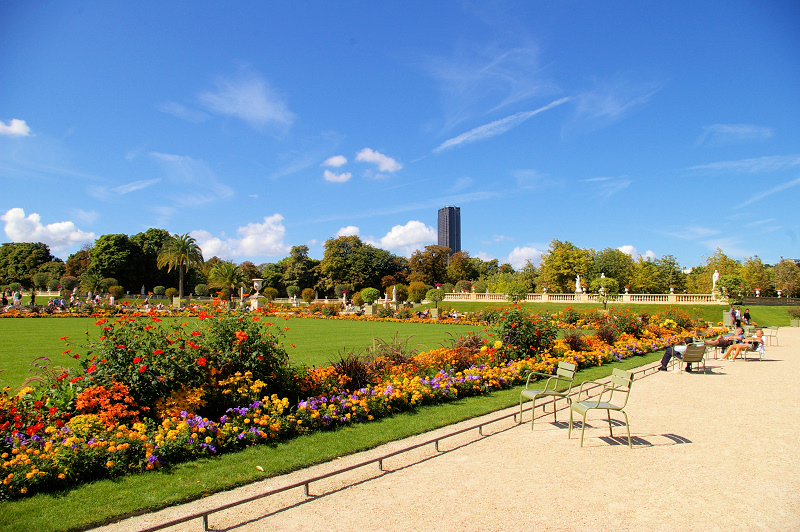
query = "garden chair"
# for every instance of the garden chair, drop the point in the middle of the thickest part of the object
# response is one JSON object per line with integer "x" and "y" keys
{"x": 758, "y": 348}
{"x": 565, "y": 375}
{"x": 619, "y": 387}
{"x": 771, "y": 333}
{"x": 694, "y": 354}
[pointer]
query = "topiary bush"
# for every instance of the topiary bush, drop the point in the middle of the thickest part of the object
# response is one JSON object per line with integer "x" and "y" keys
{"x": 269, "y": 293}
{"x": 159, "y": 290}
{"x": 171, "y": 292}
{"x": 370, "y": 295}
{"x": 308, "y": 295}
{"x": 436, "y": 295}
{"x": 201, "y": 290}
{"x": 116, "y": 292}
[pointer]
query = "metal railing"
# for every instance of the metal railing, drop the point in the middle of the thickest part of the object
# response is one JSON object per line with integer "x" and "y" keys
{"x": 306, "y": 483}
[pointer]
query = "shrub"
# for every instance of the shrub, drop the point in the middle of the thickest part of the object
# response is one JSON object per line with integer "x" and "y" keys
{"x": 159, "y": 290}
{"x": 794, "y": 313}
{"x": 416, "y": 291}
{"x": 523, "y": 334}
{"x": 108, "y": 282}
{"x": 351, "y": 371}
{"x": 52, "y": 284}
{"x": 607, "y": 333}
{"x": 574, "y": 339}
{"x": 480, "y": 287}
{"x": 308, "y": 295}
{"x": 570, "y": 315}
{"x": 357, "y": 299}
{"x": 40, "y": 279}
{"x": 293, "y": 291}
{"x": 447, "y": 288}
{"x": 436, "y": 295}
{"x": 385, "y": 312}
{"x": 201, "y": 290}
{"x": 69, "y": 282}
{"x": 171, "y": 292}
{"x": 116, "y": 291}
{"x": 370, "y": 295}
{"x": 269, "y": 293}
{"x": 516, "y": 292}
{"x": 463, "y": 286}
{"x": 402, "y": 292}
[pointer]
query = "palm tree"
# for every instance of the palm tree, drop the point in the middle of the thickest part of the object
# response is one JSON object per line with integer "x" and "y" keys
{"x": 181, "y": 252}
{"x": 226, "y": 275}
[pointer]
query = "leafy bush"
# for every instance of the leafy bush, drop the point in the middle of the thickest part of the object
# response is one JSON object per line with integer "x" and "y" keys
{"x": 201, "y": 290}
{"x": 523, "y": 334}
{"x": 69, "y": 282}
{"x": 40, "y": 279}
{"x": 575, "y": 340}
{"x": 794, "y": 313}
{"x": 308, "y": 295}
{"x": 402, "y": 292}
{"x": 269, "y": 293}
{"x": 608, "y": 333}
{"x": 116, "y": 292}
{"x": 385, "y": 312}
{"x": 570, "y": 315}
{"x": 436, "y": 295}
{"x": 447, "y": 288}
{"x": 357, "y": 299}
{"x": 108, "y": 282}
{"x": 463, "y": 286}
{"x": 370, "y": 295}
{"x": 171, "y": 292}
{"x": 417, "y": 291}
{"x": 293, "y": 290}
{"x": 480, "y": 286}
{"x": 159, "y": 290}
{"x": 516, "y": 291}
{"x": 53, "y": 284}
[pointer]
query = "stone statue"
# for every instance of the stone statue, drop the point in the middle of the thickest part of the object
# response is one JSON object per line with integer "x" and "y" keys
{"x": 714, "y": 279}
{"x": 578, "y": 283}
{"x": 394, "y": 293}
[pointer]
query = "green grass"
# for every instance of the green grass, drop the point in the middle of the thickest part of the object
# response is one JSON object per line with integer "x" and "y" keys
{"x": 99, "y": 502}
{"x": 318, "y": 342}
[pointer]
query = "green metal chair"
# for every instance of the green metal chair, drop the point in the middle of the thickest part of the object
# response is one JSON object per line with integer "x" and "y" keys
{"x": 565, "y": 375}
{"x": 694, "y": 354}
{"x": 620, "y": 387}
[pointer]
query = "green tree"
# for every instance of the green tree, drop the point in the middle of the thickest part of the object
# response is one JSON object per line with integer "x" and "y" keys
{"x": 615, "y": 264}
{"x": 308, "y": 295}
{"x": 370, "y": 295}
{"x": 150, "y": 243}
{"x": 645, "y": 277}
{"x": 19, "y": 261}
{"x": 561, "y": 264}
{"x": 417, "y": 291}
{"x": 436, "y": 295}
{"x": 484, "y": 268}
{"x": 605, "y": 287}
{"x": 297, "y": 268}
{"x": 116, "y": 256}
{"x": 228, "y": 276}
{"x": 669, "y": 274}
{"x": 461, "y": 268}
{"x": 516, "y": 292}
{"x": 787, "y": 278}
{"x": 348, "y": 260}
{"x": 180, "y": 252}
{"x": 733, "y": 286}
{"x": 78, "y": 262}
{"x": 756, "y": 274}
{"x": 528, "y": 275}
{"x": 429, "y": 266}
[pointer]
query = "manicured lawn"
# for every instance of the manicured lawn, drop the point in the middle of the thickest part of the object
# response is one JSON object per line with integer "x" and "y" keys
{"x": 95, "y": 503}
{"x": 318, "y": 342}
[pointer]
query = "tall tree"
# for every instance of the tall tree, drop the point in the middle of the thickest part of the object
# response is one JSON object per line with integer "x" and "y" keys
{"x": 757, "y": 275}
{"x": 78, "y": 262}
{"x": 19, "y": 261}
{"x": 297, "y": 268}
{"x": 228, "y": 276}
{"x": 429, "y": 266}
{"x": 562, "y": 263}
{"x": 116, "y": 256}
{"x": 645, "y": 278}
{"x": 150, "y": 243}
{"x": 349, "y": 261}
{"x": 180, "y": 252}
{"x": 787, "y": 278}
{"x": 615, "y": 264}
{"x": 461, "y": 268}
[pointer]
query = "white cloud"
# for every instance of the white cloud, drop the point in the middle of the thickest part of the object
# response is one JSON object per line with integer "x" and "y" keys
{"x": 724, "y": 134}
{"x": 197, "y": 182}
{"x": 631, "y": 250}
{"x": 336, "y": 178}
{"x": 249, "y": 98}
{"x": 519, "y": 256}
{"x": 350, "y": 230}
{"x": 335, "y": 162}
{"x": 608, "y": 186}
{"x": 498, "y": 127}
{"x": 384, "y": 163}
{"x": 15, "y": 128}
{"x": 59, "y": 236}
{"x": 406, "y": 239}
{"x": 755, "y": 165}
{"x": 254, "y": 240}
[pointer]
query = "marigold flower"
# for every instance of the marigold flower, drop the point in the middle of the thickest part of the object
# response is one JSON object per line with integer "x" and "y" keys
{"x": 137, "y": 360}
{"x": 66, "y": 351}
{"x": 196, "y": 333}
{"x": 142, "y": 369}
{"x": 201, "y": 361}
{"x": 158, "y": 352}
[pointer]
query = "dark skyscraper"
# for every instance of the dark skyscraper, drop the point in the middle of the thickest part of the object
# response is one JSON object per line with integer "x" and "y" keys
{"x": 450, "y": 228}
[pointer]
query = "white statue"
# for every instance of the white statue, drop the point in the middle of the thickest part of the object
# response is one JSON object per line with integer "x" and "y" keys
{"x": 578, "y": 283}
{"x": 394, "y": 293}
{"x": 714, "y": 279}
{"x": 602, "y": 275}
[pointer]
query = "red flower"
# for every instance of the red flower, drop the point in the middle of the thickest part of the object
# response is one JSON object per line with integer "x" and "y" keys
{"x": 63, "y": 337}
{"x": 75, "y": 379}
{"x": 242, "y": 336}
{"x": 120, "y": 346}
{"x": 137, "y": 360}
{"x": 76, "y": 356}
{"x": 65, "y": 352}
{"x": 158, "y": 352}
{"x": 195, "y": 333}
{"x": 201, "y": 361}
{"x": 62, "y": 376}
{"x": 91, "y": 368}
{"x": 142, "y": 369}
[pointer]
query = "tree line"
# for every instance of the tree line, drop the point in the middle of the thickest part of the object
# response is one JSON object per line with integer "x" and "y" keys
{"x": 156, "y": 261}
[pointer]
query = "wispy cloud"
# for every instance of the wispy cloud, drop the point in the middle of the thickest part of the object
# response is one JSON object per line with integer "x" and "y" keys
{"x": 180, "y": 111}
{"x": 757, "y": 165}
{"x": 249, "y": 98}
{"x": 197, "y": 183}
{"x": 608, "y": 102}
{"x": 498, "y": 127}
{"x": 335, "y": 162}
{"x": 692, "y": 233}
{"x": 608, "y": 186}
{"x": 724, "y": 134}
{"x": 15, "y": 128}
{"x": 476, "y": 79}
{"x": 134, "y": 186}
{"x": 774, "y": 190}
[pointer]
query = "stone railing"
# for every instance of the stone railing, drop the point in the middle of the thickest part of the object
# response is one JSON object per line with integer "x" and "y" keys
{"x": 582, "y": 297}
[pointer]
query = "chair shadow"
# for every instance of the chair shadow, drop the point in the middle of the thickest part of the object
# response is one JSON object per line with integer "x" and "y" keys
{"x": 640, "y": 441}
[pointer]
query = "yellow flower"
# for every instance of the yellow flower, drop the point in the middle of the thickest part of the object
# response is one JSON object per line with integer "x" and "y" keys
{"x": 109, "y": 464}
{"x": 498, "y": 344}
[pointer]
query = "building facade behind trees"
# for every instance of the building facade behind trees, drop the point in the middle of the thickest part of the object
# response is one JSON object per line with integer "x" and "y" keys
{"x": 450, "y": 228}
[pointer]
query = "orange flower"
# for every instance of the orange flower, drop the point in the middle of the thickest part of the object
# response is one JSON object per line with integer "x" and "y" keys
{"x": 242, "y": 336}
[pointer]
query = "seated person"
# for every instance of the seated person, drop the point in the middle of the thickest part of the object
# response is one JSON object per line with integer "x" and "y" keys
{"x": 750, "y": 343}
{"x": 675, "y": 351}
{"x": 727, "y": 339}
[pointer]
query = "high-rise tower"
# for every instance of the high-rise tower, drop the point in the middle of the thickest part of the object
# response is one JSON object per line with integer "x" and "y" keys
{"x": 450, "y": 228}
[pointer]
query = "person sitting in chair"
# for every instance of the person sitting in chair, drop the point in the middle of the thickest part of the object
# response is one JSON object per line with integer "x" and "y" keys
{"x": 728, "y": 339}
{"x": 749, "y": 343}
{"x": 675, "y": 351}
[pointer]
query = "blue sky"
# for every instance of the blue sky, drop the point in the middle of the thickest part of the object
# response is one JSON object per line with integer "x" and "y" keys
{"x": 654, "y": 127}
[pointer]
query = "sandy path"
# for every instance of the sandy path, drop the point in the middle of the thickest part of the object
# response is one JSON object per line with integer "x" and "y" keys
{"x": 711, "y": 452}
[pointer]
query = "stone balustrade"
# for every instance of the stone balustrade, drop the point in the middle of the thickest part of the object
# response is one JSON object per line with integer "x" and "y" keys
{"x": 582, "y": 297}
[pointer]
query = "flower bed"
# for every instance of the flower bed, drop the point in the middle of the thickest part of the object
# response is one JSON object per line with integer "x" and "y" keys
{"x": 149, "y": 396}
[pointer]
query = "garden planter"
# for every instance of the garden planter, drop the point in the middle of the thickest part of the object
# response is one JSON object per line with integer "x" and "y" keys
{"x": 369, "y": 310}
{"x": 795, "y": 323}
{"x": 434, "y": 313}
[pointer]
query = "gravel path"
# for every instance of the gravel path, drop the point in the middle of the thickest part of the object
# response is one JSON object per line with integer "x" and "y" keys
{"x": 711, "y": 452}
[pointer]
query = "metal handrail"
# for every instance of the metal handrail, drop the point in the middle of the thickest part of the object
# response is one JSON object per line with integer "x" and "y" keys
{"x": 379, "y": 460}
